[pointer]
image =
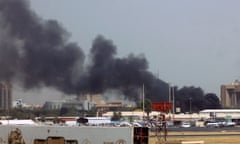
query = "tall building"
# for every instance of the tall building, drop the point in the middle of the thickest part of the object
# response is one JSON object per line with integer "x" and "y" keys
{"x": 5, "y": 96}
{"x": 230, "y": 95}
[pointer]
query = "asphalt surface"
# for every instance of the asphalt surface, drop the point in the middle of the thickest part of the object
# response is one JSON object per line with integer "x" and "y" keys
{"x": 203, "y": 129}
{"x": 207, "y": 129}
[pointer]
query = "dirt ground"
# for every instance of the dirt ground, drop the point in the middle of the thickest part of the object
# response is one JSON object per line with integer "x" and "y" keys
{"x": 222, "y": 137}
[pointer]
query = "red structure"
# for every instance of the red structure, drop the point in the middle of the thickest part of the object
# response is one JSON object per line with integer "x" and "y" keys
{"x": 162, "y": 107}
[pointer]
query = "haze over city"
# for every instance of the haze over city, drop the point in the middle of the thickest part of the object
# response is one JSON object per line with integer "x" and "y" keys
{"x": 186, "y": 43}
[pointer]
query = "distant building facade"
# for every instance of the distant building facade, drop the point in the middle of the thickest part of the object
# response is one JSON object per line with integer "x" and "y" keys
{"x": 230, "y": 95}
{"x": 57, "y": 105}
{"x": 94, "y": 98}
{"x": 18, "y": 103}
{"x": 5, "y": 96}
{"x": 53, "y": 105}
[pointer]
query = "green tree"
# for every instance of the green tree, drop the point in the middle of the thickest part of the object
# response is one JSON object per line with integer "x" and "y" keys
{"x": 63, "y": 111}
{"x": 147, "y": 106}
{"x": 116, "y": 116}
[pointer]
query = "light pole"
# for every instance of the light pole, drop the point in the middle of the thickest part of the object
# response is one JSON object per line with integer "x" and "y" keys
{"x": 143, "y": 99}
{"x": 169, "y": 92}
{"x": 171, "y": 96}
{"x": 190, "y": 105}
{"x": 173, "y": 99}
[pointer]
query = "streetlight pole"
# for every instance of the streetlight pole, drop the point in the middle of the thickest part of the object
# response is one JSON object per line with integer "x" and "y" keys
{"x": 171, "y": 96}
{"x": 169, "y": 92}
{"x": 143, "y": 99}
{"x": 173, "y": 99}
{"x": 190, "y": 105}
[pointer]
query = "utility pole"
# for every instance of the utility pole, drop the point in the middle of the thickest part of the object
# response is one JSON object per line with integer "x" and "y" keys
{"x": 169, "y": 92}
{"x": 171, "y": 96}
{"x": 173, "y": 102}
{"x": 143, "y": 99}
{"x": 190, "y": 105}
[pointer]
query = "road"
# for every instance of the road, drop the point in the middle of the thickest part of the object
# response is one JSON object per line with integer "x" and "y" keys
{"x": 225, "y": 135}
{"x": 199, "y": 129}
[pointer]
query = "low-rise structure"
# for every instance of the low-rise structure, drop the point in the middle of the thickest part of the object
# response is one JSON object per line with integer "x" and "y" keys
{"x": 57, "y": 105}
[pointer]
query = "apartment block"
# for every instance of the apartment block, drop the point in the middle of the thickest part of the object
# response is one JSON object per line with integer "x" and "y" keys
{"x": 5, "y": 96}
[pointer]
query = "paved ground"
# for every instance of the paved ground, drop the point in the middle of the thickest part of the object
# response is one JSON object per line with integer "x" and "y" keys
{"x": 227, "y": 135}
{"x": 212, "y": 129}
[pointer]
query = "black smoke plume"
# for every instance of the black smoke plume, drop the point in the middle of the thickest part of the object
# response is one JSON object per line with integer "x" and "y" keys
{"x": 38, "y": 53}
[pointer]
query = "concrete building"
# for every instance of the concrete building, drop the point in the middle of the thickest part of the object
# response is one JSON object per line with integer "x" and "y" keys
{"x": 57, "y": 105}
{"x": 53, "y": 105}
{"x": 94, "y": 98}
{"x": 230, "y": 95}
{"x": 5, "y": 96}
{"x": 18, "y": 103}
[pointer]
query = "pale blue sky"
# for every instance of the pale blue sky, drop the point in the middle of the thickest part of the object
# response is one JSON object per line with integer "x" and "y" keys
{"x": 185, "y": 42}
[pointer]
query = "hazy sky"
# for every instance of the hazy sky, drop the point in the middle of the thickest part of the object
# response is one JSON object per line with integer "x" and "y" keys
{"x": 185, "y": 42}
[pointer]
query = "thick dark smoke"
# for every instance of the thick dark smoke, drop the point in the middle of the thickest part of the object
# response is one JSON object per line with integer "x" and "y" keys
{"x": 38, "y": 53}
{"x": 35, "y": 51}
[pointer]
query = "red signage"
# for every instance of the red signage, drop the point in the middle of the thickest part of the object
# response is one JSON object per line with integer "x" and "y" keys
{"x": 162, "y": 106}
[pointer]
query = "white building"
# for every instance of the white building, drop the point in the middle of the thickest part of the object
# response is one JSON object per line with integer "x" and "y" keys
{"x": 57, "y": 105}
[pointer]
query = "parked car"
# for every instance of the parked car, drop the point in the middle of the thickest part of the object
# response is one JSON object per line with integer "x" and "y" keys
{"x": 212, "y": 124}
{"x": 229, "y": 124}
{"x": 136, "y": 124}
{"x": 185, "y": 125}
{"x": 125, "y": 124}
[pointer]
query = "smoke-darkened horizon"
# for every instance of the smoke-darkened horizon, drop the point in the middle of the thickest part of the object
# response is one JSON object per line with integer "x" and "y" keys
{"x": 38, "y": 53}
